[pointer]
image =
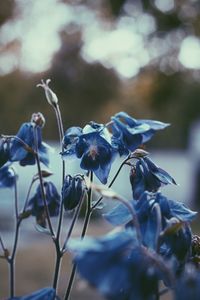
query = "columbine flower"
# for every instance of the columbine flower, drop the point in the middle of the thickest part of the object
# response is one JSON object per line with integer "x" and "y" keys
{"x": 129, "y": 133}
{"x": 188, "y": 284}
{"x": 144, "y": 208}
{"x": 7, "y": 177}
{"x": 93, "y": 147}
{"x": 72, "y": 191}
{"x": 43, "y": 294}
{"x": 117, "y": 266}
{"x": 36, "y": 203}
{"x": 146, "y": 176}
{"x": 50, "y": 95}
{"x": 18, "y": 152}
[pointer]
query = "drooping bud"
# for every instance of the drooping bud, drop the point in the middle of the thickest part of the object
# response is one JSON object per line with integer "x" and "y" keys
{"x": 38, "y": 119}
{"x": 72, "y": 191}
{"x": 50, "y": 95}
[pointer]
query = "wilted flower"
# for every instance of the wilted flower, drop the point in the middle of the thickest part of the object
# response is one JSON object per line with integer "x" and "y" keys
{"x": 72, "y": 191}
{"x": 50, "y": 95}
{"x": 18, "y": 152}
{"x": 36, "y": 203}
{"x": 7, "y": 177}
{"x": 146, "y": 176}
{"x": 129, "y": 133}
{"x": 93, "y": 147}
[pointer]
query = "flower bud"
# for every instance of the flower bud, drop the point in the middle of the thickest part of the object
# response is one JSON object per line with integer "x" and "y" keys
{"x": 38, "y": 119}
{"x": 50, "y": 95}
{"x": 72, "y": 191}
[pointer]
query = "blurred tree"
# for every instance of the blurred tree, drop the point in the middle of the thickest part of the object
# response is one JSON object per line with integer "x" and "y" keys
{"x": 161, "y": 88}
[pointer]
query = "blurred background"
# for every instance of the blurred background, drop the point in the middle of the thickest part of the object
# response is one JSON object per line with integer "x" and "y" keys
{"x": 104, "y": 56}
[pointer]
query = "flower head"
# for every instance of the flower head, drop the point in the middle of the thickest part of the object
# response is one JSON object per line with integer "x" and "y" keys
{"x": 117, "y": 258}
{"x": 146, "y": 176}
{"x": 50, "y": 95}
{"x": 18, "y": 151}
{"x": 147, "y": 219}
{"x": 188, "y": 284}
{"x": 93, "y": 146}
{"x": 7, "y": 176}
{"x": 130, "y": 133}
{"x": 36, "y": 203}
{"x": 43, "y": 294}
{"x": 72, "y": 191}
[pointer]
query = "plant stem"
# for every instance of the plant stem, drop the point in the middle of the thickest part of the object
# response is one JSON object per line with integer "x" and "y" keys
{"x": 84, "y": 230}
{"x": 76, "y": 214}
{"x": 134, "y": 217}
{"x": 28, "y": 194}
{"x": 11, "y": 259}
{"x": 2, "y": 244}
{"x": 59, "y": 253}
{"x": 42, "y": 184}
{"x": 156, "y": 207}
{"x": 112, "y": 181}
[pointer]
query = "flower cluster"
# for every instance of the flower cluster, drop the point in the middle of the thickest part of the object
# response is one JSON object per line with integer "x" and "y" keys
{"x": 152, "y": 244}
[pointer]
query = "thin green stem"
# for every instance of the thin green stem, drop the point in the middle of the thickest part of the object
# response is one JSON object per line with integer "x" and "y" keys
{"x": 5, "y": 251}
{"x": 76, "y": 214}
{"x": 157, "y": 210}
{"x": 61, "y": 134}
{"x": 112, "y": 181}
{"x": 11, "y": 259}
{"x": 134, "y": 216}
{"x": 59, "y": 253}
{"x": 84, "y": 230}
{"x": 28, "y": 195}
{"x": 42, "y": 184}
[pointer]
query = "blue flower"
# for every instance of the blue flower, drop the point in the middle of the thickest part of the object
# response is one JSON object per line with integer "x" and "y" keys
{"x": 72, "y": 191}
{"x": 36, "y": 203}
{"x": 177, "y": 243}
{"x": 188, "y": 284}
{"x": 129, "y": 133}
{"x": 146, "y": 176}
{"x": 18, "y": 151}
{"x": 70, "y": 139}
{"x": 7, "y": 177}
{"x": 144, "y": 208}
{"x": 43, "y": 294}
{"x": 117, "y": 266}
{"x": 93, "y": 147}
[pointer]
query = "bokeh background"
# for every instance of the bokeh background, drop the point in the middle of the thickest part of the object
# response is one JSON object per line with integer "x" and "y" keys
{"x": 104, "y": 56}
